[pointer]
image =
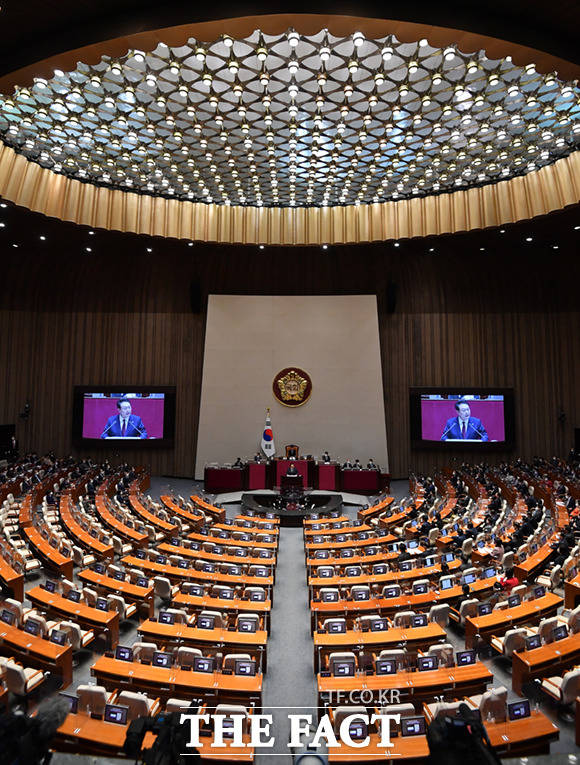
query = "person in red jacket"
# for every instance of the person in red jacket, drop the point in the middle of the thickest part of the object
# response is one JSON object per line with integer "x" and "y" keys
{"x": 509, "y": 581}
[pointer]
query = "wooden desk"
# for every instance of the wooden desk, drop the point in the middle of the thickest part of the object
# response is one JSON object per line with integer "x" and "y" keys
{"x": 391, "y": 577}
{"x": 374, "y": 510}
{"x": 414, "y": 687}
{"x": 235, "y": 605}
{"x": 572, "y": 592}
{"x": 131, "y": 535}
{"x": 13, "y": 580}
{"x": 217, "y": 512}
{"x": 257, "y": 519}
{"x": 532, "y": 735}
{"x": 374, "y": 541}
{"x": 501, "y": 620}
{"x": 529, "y": 567}
{"x": 81, "y": 734}
{"x": 186, "y": 552}
{"x": 549, "y": 659}
{"x": 234, "y": 542}
{"x": 176, "y": 574}
{"x": 416, "y": 638}
{"x": 309, "y": 522}
{"x": 411, "y": 749}
{"x": 174, "y": 682}
{"x": 131, "y": 592}
{"x": 34, "y": 651}
{"x": 328, "y": 530}
{"x": 100, "y": 550}
{"x": 49, "y": 555}
{"x": 86, "y": 617}
{"x": 173, "y": 507}
{"x": 184, "y": 634}
{"x": 164, "y": 527}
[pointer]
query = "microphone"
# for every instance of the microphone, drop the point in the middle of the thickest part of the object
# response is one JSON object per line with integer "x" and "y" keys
{"x": 107, "y": 428}
{"x": 446, "y": 431}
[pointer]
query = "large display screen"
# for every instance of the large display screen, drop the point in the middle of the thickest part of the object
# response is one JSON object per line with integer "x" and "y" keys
{"x": 462, "y": 418}
{"x": 115, "y": 415}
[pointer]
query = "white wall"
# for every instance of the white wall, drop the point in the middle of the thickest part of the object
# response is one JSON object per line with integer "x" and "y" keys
{"x": 249, "y": 339}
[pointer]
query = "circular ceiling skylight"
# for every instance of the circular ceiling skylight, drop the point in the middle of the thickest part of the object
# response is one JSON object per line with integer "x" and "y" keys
{"x": 294, "y": 120}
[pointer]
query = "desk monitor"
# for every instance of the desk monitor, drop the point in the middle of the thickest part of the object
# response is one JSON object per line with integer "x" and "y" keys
{"x": 194, "y": 589}
{"x": 218, "y": 550}
{"x": 321, "y": 554}
{"x": 270, "y": 516}
{"x": 344, "y": 668}
{"x": 380, "y": 568}
{"x": 260, "y": 571}
{"x": 166, "y": 618}
{"x": 227, "y": 594}
{"x": 182, "y": 563}
{"x": 560, "y": 632}
{"x": 446, "y": 584}
{"x": 543, "y": 539}
{"x": 206, "y": 622}
{"x": 161, "y": 559}
{"x": 72, "y": 701}
{"x": 141, "y": 554}
{"x": 455, "y": 527}
{"x": 258, "y": 596}
{"x": 246, "y": 625}
{"x": 426, "y": 663}
{"x": 325, "y": 572}
{"x": 414, "y": 523}
{"x": 448, "y": 557}
{"x": 413, "y": 726}
{"x": 534, "y": 641}
{"x": 208, "y": 568}
{"x": 347, "y": 554}
{"x": 74, "y": 595}
{"x": 391, "y": 592}
{"x": 489, "y": 572}
{"x": 539, "y": 591}
{"x": 483, "y": 609}
{"x": 481, "y": 544}
{"x": 412, "y": 544}
{"x": 429, "y": 561}
{"x": 514, "y": 600}
{"x": 228, "y": 727}
{"x": 379, "y": 625}
{"x": 234, "y": 571}
{"x": 161, "y": 659}
{"x": 406, "y": 565}
{"x": 175, "y": 541}
{"x": 534, "y": 548}
{"x": 340, "y": 538}
{"x": 463, "y": 658}
{"x": 58, "y": 637}
{"x": 331, "y": 597}
{"x": 317, "y": 539}
{"x": 142, "y": 582}
{"x": 114, "y": 713}
{"x": 119, "y": 576}
{"x": 386, "y": 667}
{"x": 203, "y": 664}
{"x": 123, "y": 653}
{"x": 370, "y": 551}
{"x": 7, "y": 616}
{"x": 357, "y": 730}
{"x": 419, "y": 620}
{"x": 335, "y": 627}
{"x": 245, "y": 667}
{"x": 32, "y": 627}
{"x": 352, "y": 571}
{"x": 264, "y": 554}
{"x": 519, "y": 709}
{"x": 362, "y": 595}
{"x": 50, "y": 585}
{"x": 420, "y": 589}
{"x": 102, "y": 604}
{"x": 468, "y": 579}
{"x": 98, "y": 568}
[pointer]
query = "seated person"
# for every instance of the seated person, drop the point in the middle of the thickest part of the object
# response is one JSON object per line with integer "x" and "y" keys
{"x": 371, "y": 464}
{"x": 347, "y": 465}
{"x": 325, "y": 458}
{"x": 257, "y": 457}
{"x": 238, "y": 463}
{"x": 508, "y": 581}
{"x": 357, "y": 465}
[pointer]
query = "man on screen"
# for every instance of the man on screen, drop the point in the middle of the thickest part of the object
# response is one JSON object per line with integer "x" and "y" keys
{"x": 464, "y": 426}
{"x": 124, "y": 424}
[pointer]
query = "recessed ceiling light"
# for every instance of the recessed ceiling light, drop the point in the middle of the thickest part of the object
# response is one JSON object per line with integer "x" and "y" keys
{"x": 88, "y": 249}
{"x": 149, "y": 249}
{"x": 261, "y": 246}
{"x": 2, "y": 225}
{"x": 43, "y": 239}
{"x": 502, "y": 231}
{"x": 397, "y": 244}
{"x": 15, "y": 245}
{"x": 190, "y": 244}
{"x": 3, "y": 204}
{"x": 482, "y": 249}
{"x": 91, "y": 233}
{"x": 576, "y": 228}
{"x": 555, "y": 247}
{"x": 431, "y": 249}
{"x": 529, "y": 239}
{"x": 325, "y": 247}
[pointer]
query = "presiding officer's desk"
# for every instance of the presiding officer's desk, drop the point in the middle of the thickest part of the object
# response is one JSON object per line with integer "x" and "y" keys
{"x": 176, "y": 682}
{"x": 174, "y": 635}
{"x": 86, "y": 617}
{"x": 501, "y": 620}
{"x": 196, "y": 603}
{"x": 35, "y": 651}
{"x": 179, "y": 575}
{"x": 551, "y": 659}
{"x": 413, "y": 687}
{"x": 141, "y": 596}
{"x": 390, "y": 606}
{"x": 415, "y": 638}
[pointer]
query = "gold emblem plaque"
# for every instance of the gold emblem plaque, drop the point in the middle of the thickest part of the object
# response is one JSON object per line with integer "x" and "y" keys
{"x": 292, "y": 386}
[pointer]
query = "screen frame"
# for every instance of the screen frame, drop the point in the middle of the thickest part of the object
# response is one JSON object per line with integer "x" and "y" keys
{"x": 168, "y": 440}
{"x": 417, "y": 441}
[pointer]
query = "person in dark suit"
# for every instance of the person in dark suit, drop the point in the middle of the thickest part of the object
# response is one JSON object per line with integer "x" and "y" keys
{"x": 292, "y": 469}
{"x": 124, "y": 424}
{"x": 371, "y": 464}
{"x": 464, "y": 426}
{"x": 326, "y": 457}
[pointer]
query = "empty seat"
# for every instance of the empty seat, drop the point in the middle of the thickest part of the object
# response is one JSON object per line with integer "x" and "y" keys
{"x": 513, "y": 640}
{"x": 403, "y": 618}
{"x": 234, "y": 710}
{"x": 395, "y": 591}
{"x": 77, "y": 637}
{"x": 144, "y": 651}
{"x": 21, "y": 680}
{"x": 546, "y": 627}
{"x": 179, "y": 615}
{"x": 138, "y": 704}
{"x": 341, "y": 713}
{"x": 404, "y": 710}
{"x": 327, "y": 624}
{"x": 443, "y": 652}
{"x": 117, "y": 603}
{"x": 439, "y": 614}
{"x": 229, "y": 661}
{"x": 360, "y": 592}
{"x": 178, "y": 705}
{"x": 493, "y": 704}
{"x": 394, "y": 654}
{"x": 563, "y": 689}
{"x": 218, "y": 617}
{"x": 163, "y": 588}
{"x": 186, "y": 656}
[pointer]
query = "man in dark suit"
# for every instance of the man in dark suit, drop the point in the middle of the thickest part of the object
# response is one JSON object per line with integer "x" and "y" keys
{"x": 464, "y": 426}
{"x": 326, "y": 457}
{"x": 292, "y": 469}
{"x": 124, "y": 424}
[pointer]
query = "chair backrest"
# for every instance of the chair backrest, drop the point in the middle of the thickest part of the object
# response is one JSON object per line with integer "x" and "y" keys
{"x": 468, "y": 608}
{"x": 74, "y": 634}
{"x": 514, "y": 640}
{"x": 520, "y": 590}
{"x": 336, "y": 620}
{"x": 493, "y": 704}
{"x": 117, "y": 603}
{"x": 15, "y": 678}
{"x": 404, "y": 710}
{"x": 144, "y": 651}
{"x": 394, "y": 654}
{"x": 229, "y": 661}
{"x": 234, "y": 710}
{"x": 218, "y": 617}
{"x": 545, "y": 628}
{"x": 507, "y": 561}
{"x": 180, "y": 616}
{"x": 403, "y": 618}
{"x": 574, "y": 620}
{"x": 92, "y": 698}
{"x": 40, "y": 620}
{"x": 186, "y": 655}
{"x": 162, "y": 587}
{"x": 439, "y": 614}
{"x": 341, "y": 713}
{"x": 570, "y": 687}
{"x": 447, "y": 709}
{"x": 137, "y": 703}
{"x": 15, "y": 606}
{"x": 467, "y": 546}
{"x": 177, "y": 705}
{"x": 434, "y": 535}
{"x": 443, "y": 652}
{"x": 361, "y": 589}
{"x": 89, "y": 596}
